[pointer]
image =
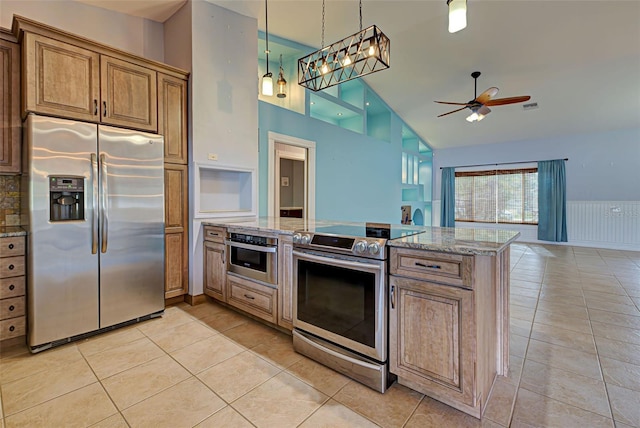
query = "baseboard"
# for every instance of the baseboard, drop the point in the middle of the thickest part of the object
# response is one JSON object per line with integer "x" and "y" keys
{"x": 174, "y": 300}
{"x": 195, "y": 300}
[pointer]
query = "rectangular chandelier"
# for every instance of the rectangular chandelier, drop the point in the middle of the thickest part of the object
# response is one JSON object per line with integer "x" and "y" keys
{"x": 363, "y": 53}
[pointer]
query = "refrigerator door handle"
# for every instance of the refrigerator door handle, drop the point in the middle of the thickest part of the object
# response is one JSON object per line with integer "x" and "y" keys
{"x": 104, "y": 215}
{"x": 94, "y": 196}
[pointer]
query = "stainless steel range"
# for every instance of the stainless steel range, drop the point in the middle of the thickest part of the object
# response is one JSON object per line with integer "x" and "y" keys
{"x": 340, "y": 299}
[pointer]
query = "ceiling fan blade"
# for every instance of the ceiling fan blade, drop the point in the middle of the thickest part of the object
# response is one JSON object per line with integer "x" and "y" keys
{"x": 484, "y": 110}
{"x": 453, "y": 104}
{"x": 509, "y": 100}
{"x": 487, "y": 95}
{"x": 444, "y": 114}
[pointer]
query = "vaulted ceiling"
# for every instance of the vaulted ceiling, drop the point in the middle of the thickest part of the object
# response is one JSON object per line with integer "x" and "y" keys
{"x": 579, "y": 60}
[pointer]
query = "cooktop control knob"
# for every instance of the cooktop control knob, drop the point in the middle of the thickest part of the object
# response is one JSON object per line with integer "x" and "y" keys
{"x": 296, "y": 238}
{"x": 361, "y": 247}
{"x": 305, "y": 239}
{"x": 374, "y": 248}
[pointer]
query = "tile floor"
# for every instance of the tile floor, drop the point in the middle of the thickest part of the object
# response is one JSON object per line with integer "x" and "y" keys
{"x": 575, "y": 362}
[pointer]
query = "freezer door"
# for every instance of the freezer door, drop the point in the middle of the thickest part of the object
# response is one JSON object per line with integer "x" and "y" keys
{"x": 63, "y": 272}
{"x": 132, "y": 224}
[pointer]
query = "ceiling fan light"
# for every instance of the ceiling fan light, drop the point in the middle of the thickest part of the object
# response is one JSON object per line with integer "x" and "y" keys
{"x": 457, "y": 15}
{"x": 474, "y": 117}
{"x": 267, "y": 85}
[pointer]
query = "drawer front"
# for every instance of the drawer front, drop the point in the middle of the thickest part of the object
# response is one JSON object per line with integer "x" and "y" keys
{"x": 254, "y": 298}
{"x": 11, "y": 266}
{"x": 216, "y": 234}
{"x": 12, "y": 287}
{"x": 11, "y": 308}
{"x": 12, "y": 246}
{"x": 452, "y": 269}
{"x": 12, "y": 327}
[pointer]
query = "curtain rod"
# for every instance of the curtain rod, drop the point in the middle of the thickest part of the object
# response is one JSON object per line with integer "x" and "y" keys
{"x": 496, "y": 164}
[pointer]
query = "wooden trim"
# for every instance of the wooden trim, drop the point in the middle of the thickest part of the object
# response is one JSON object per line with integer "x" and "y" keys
{"x": 14, "y": 341}
{"x": 21, "y": 24}
{"x": 173, "y": 300}
{"x": 194, "y": 300}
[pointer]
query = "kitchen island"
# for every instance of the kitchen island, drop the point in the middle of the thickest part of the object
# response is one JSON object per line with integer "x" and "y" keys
{"x": 446, "y": 290}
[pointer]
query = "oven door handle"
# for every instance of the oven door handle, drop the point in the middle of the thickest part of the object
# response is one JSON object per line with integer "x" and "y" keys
{"x": 336, "y": 261}
{"x": 251, "y": 247}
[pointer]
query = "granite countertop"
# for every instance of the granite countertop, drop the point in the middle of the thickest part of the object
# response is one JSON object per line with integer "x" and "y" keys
{"x": 458, "y": 240}
{"x": 445, "y": 239}
{"x": 10, "y": 231}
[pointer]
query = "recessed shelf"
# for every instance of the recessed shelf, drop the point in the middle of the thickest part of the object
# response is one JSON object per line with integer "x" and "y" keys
{"x": 224, "y": 191}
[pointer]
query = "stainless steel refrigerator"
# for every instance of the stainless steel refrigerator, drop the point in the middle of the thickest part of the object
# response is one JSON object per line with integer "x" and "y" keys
{"x": 95, "y": 207}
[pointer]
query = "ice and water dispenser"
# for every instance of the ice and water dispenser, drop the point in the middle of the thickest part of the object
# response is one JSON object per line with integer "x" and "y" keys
{"x": 66, "y": 198}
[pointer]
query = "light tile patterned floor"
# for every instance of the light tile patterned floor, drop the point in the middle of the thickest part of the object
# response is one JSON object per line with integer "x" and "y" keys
{"x": 575, "y": 362}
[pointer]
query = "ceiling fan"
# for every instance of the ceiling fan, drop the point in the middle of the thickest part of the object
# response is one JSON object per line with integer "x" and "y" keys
{"x": 479, "y": 105}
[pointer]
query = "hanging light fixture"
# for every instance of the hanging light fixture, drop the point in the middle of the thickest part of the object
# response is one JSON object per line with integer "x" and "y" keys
{"x": 457, "y": 15}
{"x": 362, "y": 53}
{"x": 282, "y": 84}
{"x": 267, "y": 79}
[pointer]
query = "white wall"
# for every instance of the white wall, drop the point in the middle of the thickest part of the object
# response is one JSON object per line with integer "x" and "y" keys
{"x": 603, "y": 183}
{"x": 132, "y": 34}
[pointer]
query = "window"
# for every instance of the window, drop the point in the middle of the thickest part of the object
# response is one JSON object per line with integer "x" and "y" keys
{"x": 498, "y": 196}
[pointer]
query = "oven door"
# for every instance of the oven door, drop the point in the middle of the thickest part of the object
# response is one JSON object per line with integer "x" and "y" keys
{"x": 253, "y": 261}
{"x": 342, "y": 300}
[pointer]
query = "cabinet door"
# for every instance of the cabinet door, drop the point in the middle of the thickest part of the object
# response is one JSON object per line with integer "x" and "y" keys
{"x": 61, "y": 79}
{"x": 176, "y": 183}
{"x": 215, "y": 271}
{"x": 285, "y": 282}
{"x": 431, "y": 338}
{"x": 10, "y": 132}
{"x": 128, "y": 94}
{"x": 172, "y": 117}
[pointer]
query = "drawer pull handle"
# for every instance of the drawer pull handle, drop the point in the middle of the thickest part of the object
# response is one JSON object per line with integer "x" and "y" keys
{"x": 11, "y": 246}
{"x": 12, "y": 328}
{"x": 95, "y": 107}
{"x": 104, "y": 103}
{"x": 11, "y": 287}
{"x": 249, "y": 297}
{"x": 393, "y": 297}
{"x": 11, "y": 267}
{"x": 428, "y": 266}
{"x": 11, "y": 308}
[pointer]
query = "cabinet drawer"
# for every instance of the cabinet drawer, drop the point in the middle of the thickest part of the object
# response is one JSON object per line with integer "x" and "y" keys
{"x": 12, "y": 246}
{"x": 12, "y": 287}
{"x": 11, "y": 308}
{"x": 11, "y": 266}
{"x": 452, "y": 269}
{"x": 12, "y": 327}
{"x": 216, "y": 234}
{"x": 254, "y": 298}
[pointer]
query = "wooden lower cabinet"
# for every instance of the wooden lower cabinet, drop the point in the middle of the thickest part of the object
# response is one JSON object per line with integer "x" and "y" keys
{"x": 431, "y": 338}
{"x": 176, "y": 236}
{"x": 252, "y": 297}
{"x": 12, "y": 287}
{"x": 215, "y": 270}
{"x": 285, "y": 282}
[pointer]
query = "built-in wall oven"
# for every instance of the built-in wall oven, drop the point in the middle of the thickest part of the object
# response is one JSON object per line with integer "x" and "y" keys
{"x": 340, "y": 301}
{"x": 253, "y": 256}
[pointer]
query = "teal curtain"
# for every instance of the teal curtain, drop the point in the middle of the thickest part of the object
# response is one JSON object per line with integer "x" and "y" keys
{"x": 448, "y": 197}
{"x": 552, "y": 201}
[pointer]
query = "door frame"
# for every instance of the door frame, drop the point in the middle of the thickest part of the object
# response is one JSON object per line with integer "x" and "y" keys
{"x": 273, "y": 169}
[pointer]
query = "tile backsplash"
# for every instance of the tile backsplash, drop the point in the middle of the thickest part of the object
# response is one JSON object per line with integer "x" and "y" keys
{"x": 9, "y": 200}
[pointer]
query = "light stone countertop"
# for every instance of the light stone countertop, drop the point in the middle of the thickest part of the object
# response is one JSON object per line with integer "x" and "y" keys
{"x": 444, "y": 239}
{"x": 11, "y": 231}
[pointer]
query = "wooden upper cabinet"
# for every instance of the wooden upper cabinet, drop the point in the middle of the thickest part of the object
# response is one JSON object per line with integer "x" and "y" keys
{"x": 129, "y": 94}
{"x": 172, "y": 117}
{"x": 10, "y": 107}
{"x": 60, "y": 79}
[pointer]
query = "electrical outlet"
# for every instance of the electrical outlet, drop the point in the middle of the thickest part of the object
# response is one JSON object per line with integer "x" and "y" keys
{"x": 212, "y": 156}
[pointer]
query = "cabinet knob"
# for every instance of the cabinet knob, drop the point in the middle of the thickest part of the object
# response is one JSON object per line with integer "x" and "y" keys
{"x": 12, "y": 328}
{"x": 11, "y": 267}
{"x": 11, "y": 308}
{"x": 11, "y": 246}
{"x": 11, "y": 287}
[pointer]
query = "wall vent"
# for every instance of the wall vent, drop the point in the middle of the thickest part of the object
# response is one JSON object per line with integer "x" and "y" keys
{"x": 530, "y": 106}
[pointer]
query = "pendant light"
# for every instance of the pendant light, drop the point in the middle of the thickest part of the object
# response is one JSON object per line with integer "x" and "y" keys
{"x": 267, "y": 79}
{"x": 282, "y": 84}
{"x": 362, "y": 53}
{"x": 457, "y": 15}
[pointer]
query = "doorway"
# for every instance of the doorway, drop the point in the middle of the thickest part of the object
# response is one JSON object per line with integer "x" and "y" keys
{"x": 291, "y": 190}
